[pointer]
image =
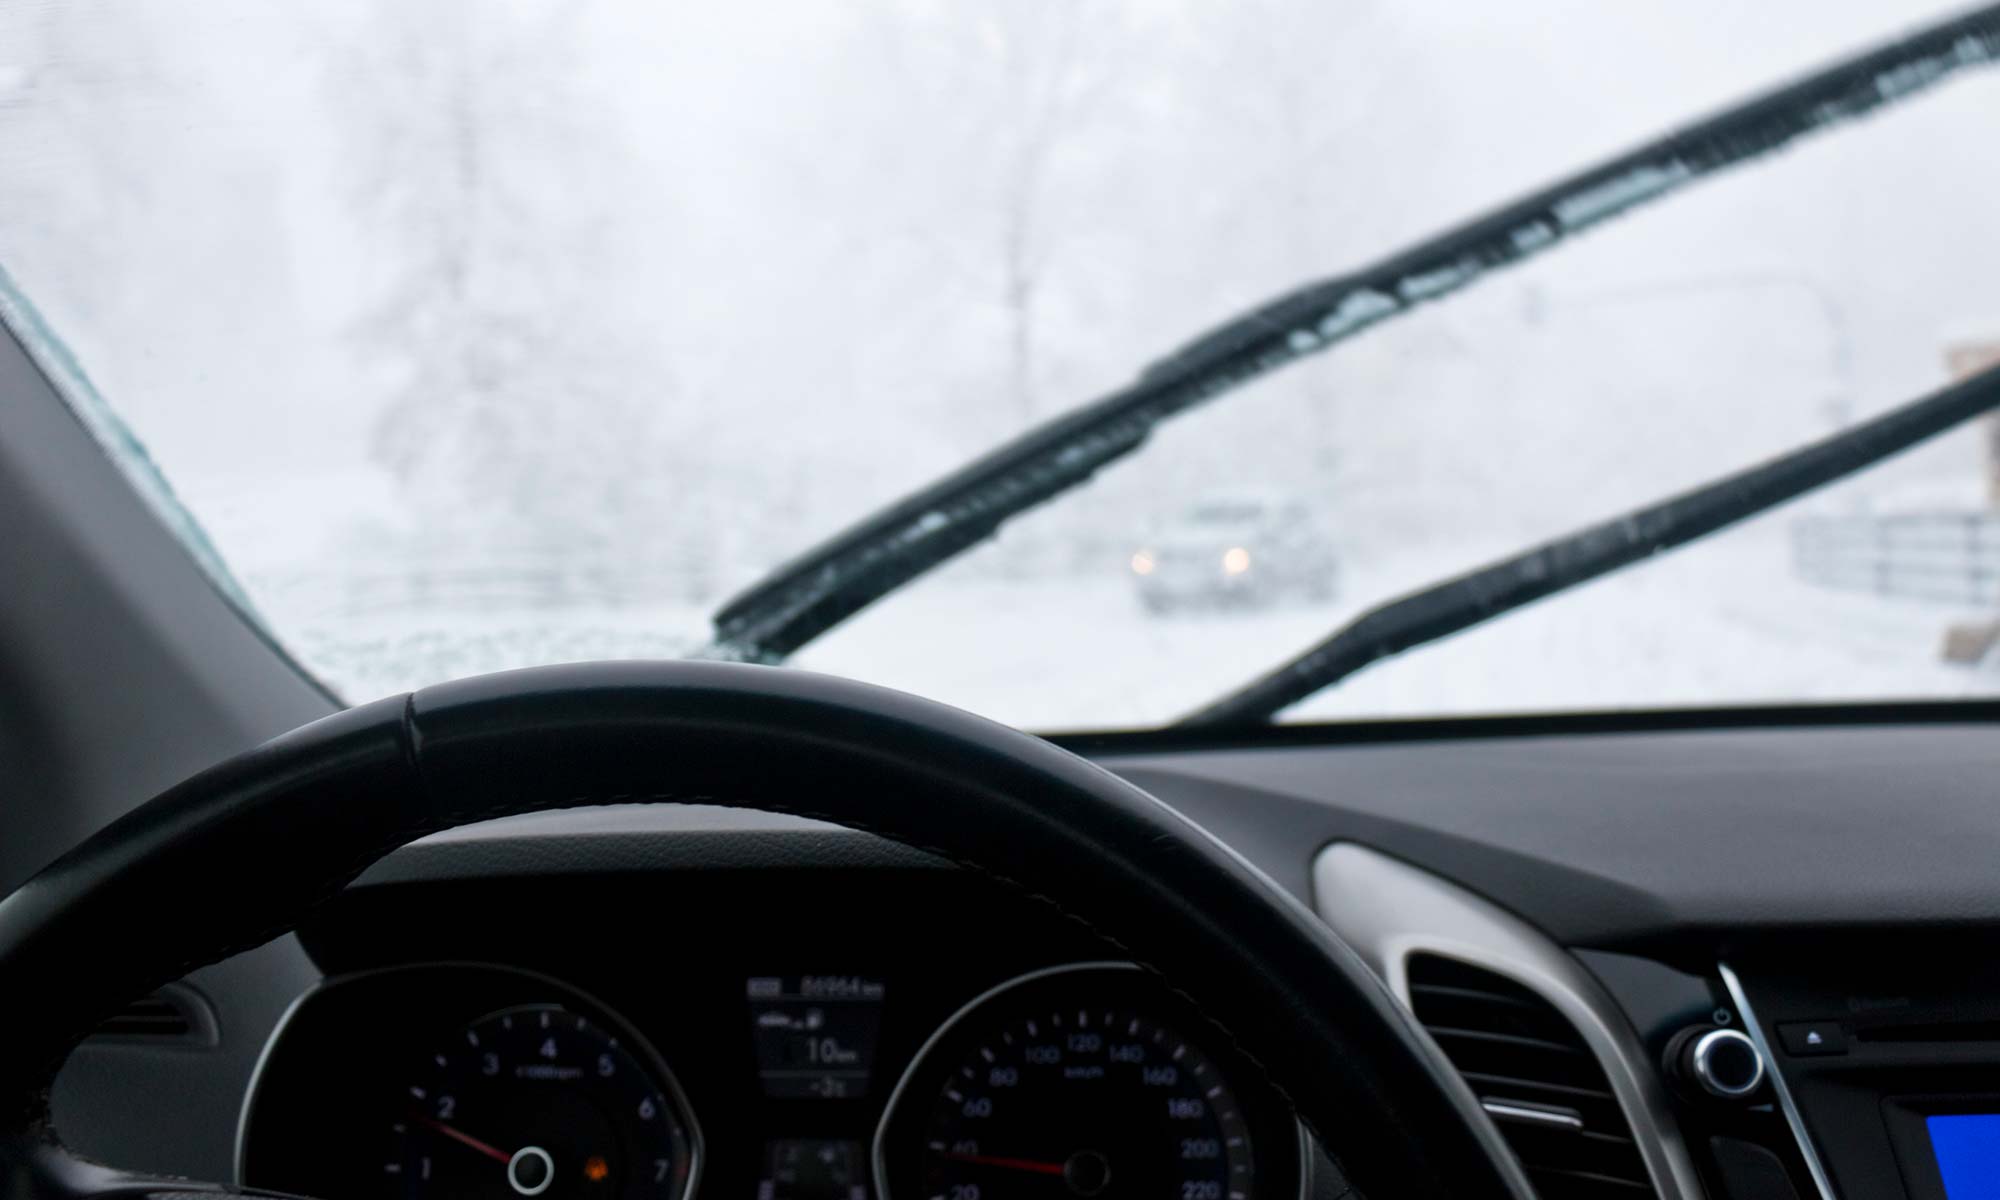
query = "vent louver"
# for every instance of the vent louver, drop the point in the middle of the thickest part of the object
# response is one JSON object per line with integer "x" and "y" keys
{"x": 1535, "y": 1076}
{"x": 172, "y": 1014}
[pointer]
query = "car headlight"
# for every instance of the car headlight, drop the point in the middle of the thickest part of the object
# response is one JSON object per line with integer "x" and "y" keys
{"x": 1142, "y": 562}
{"x": 1235, "y": 560}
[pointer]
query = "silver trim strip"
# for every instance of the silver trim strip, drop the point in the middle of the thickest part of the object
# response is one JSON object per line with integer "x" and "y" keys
{"x": 1388, "y": 910}
{"x": 1786, "y": 1104}
{"x": 1500, "y": 1110}
{"x": 608, "y": 1016}
{"x": 257, "y": 1079}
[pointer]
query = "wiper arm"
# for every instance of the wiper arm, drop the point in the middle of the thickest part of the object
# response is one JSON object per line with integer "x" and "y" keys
{"x": 1475, "y": 598}
{"x": 831, "y": 582}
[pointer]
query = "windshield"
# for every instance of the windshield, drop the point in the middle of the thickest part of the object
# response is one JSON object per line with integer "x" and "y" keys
{"x": 483, "y": 335}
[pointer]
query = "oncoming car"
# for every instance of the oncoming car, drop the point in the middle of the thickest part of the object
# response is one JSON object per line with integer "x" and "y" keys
{"x": 1236, "y": 548}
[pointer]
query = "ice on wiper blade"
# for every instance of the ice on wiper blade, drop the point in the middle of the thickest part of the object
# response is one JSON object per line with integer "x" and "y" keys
{"x": 1479, "y": 596}
{"x": 892, "y": 546}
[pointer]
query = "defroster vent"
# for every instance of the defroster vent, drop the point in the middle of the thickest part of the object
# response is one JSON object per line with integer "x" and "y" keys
{"x": 174, "y": 1015}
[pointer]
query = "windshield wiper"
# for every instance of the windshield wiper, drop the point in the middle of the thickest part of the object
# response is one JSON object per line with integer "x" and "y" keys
{"x": 831, "y": 582}
{"x": 1481, "y": 595}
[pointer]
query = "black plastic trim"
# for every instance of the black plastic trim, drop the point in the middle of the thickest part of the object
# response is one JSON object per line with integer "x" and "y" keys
{"x": 1110, "y": 743}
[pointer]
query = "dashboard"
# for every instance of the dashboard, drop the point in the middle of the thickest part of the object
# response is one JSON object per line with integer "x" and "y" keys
{"x": 1574, "y": 919}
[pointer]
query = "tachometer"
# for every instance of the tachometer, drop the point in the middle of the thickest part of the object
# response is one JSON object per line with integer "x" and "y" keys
{"x": 540, "y": 1101}
{"x": 1072, "y": 1085}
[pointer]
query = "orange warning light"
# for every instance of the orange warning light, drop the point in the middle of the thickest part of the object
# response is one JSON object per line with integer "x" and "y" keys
{"x": 595, "y": 1168}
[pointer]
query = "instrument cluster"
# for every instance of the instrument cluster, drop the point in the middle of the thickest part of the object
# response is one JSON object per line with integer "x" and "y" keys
{"x": 1079, "y": 1081}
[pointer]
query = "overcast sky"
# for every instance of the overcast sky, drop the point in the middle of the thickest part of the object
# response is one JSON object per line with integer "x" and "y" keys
{"x": 732, "y": 133}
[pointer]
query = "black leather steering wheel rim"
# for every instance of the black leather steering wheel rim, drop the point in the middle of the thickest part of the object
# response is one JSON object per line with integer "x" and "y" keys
{"x": 240, "y": 853}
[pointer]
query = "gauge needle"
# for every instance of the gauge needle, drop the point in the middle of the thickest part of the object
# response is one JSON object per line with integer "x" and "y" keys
{"x": 492, "y": 1152}
{"x": 1011, "y": 1164}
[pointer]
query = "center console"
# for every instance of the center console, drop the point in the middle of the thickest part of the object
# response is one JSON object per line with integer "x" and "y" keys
{"x": 1889, "y": 1062}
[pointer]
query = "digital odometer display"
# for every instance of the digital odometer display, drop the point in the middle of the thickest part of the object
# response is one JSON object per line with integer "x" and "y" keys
{"x": 815, "y": 1034}
{"x": 1068, "y": 1101}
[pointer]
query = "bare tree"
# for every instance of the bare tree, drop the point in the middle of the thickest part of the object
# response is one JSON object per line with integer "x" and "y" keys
{"x": 519, "y": 399}
{"x": 72, "y": 109}
{"x": 1020, "y": 87}
{"x": 1312, "y": 78}
{"x": 1035, "y": 53}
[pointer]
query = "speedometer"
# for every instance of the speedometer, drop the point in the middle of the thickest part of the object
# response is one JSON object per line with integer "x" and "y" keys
{"x": 1086, "y": 1102}
{"x": 1078, "y": 1084}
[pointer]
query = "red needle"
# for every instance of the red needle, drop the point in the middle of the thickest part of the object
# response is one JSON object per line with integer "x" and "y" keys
{"x": 492, "y": 1152}
{"x": 1011, "y": 1164}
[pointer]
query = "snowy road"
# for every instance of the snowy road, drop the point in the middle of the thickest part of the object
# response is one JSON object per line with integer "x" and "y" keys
{"x": 1717, "y": 624}
{"x": 1720, "y": 623}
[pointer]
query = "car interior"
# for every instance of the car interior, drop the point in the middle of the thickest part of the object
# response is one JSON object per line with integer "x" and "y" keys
{"x": 716, "y": 928}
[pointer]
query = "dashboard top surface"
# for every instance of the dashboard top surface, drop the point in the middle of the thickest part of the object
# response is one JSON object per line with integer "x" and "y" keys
{"x": 1604, "y": 839}
{"x": 1611, "y": 839}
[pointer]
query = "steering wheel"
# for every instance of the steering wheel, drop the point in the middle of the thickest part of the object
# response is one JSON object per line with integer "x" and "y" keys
{"x": 241, "y": 852}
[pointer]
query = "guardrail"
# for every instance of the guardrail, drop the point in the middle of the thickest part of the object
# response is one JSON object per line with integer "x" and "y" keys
{"x": 1945, "y": 557}
{"x": 495, "y": 588}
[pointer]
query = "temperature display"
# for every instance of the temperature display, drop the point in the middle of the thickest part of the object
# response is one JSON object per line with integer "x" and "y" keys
{"x": 815, "y": 1033}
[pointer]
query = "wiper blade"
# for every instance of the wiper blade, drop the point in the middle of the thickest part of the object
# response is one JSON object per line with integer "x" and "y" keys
{"x": 831, "y": 582}
{"x": 1479, "y": 596}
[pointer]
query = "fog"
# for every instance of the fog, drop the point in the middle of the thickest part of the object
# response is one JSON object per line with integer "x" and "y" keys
{"x": 644, "y": 299}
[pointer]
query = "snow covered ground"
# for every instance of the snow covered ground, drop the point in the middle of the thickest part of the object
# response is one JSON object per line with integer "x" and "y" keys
{"x": 1718, "y": 624}
{"x": 1722, "y": 622}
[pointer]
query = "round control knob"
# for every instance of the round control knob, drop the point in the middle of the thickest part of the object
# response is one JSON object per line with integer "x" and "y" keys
{"x": 1724, "y": 1063}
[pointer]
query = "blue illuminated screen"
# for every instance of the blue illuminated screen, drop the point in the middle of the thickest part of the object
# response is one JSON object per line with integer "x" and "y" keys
{"x": 1968, "y": 1154}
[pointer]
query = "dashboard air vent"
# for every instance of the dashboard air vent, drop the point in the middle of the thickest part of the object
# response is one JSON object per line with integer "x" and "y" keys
{"x": 1535, "y": 1077}
{"x": 175, "y": 1014}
